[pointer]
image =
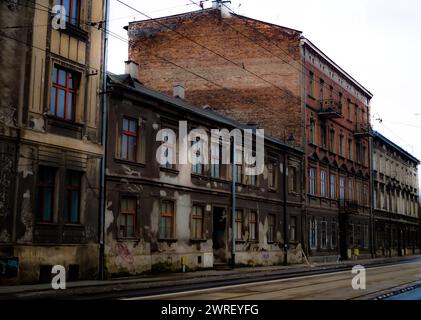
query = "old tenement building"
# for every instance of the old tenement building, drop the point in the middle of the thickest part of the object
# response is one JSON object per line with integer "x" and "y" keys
{"x": 396, "y": 199}
{"x": 50, "y": 145}
{"x": 160, "y": 216}
{"x": 283, "y": 82}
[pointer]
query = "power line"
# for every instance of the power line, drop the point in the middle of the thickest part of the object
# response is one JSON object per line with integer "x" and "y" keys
{"x": 212, "y": 51}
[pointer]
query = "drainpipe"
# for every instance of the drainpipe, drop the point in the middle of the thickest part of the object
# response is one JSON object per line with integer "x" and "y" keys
{"x": 233, "y": 202}
{"x": 104, "y": 98}
{"x": 372, "y": 219}
{"x": 284, "y": 196}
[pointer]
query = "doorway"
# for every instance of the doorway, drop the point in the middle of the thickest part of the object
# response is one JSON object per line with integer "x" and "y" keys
{"x": 219, "y": 235}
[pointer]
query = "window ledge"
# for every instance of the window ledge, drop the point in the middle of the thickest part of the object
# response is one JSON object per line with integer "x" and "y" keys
{"x": 71, "y": 124}
{"x": 220, "y": 180}
{"x": 46, "y": 224}
{"x": 75, "y": 31}
{"x": 128, "y": 240}
{"x": 132, "y": 163}
{"x": 169, "y": 170}
{"x": 199, "y": 176}
{"x": 73, "y": 225}
{"x": 198, "y": 240}
{"x": 167, "y": 240}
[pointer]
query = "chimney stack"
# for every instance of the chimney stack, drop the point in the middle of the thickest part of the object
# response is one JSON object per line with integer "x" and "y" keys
{"x": 132, "y": 68}
{"x": 224, "y": 6}
{"x": 179, "y": 91}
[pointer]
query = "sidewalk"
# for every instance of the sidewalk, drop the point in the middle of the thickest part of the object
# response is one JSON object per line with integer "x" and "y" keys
{"x": 175, "y": 279}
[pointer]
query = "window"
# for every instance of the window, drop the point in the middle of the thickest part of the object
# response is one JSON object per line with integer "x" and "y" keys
{"x": 332, "y": 141}
{"x": 351, "y": 189}
{"x": 72, "y": 197}
{"x": 253, "y": 226}
{"x": 168, "y": 157}
{"x": 127, "y": 217}
{"x": 72, "y": 10}
{"x": 342, "y": 188}
{"x": 358, "y": 191}
{"x": 348, "y": 107}
{"x": 271, "y": 228}
{"x": 332, "y": 186}
{"x": 197, "y": 149}
{"x": 312, "y": 131}
{"x": 293, "y": 229}
{"x": 129, "y": 138}
{"x": 340, "y": 101}
{"x": 272, "y": 176}
{"x": 358, "y": 149}
{"x": 323, "y": 183}
{"x": 239, "y": 225}
{"x": 323, "y": 139}
{"x": 166, "y": 222}
{"x": 324, "y": 234}
{"x": 313, "y": 233}
{"x": 238, "y": 168}
{"x": 341, "y": 146}
{"x": 311, "y": 84}
{"x": 358, "y": 235}
{"x": 45, "y": 194}
{"x": 364, "y": 156}
{"x": 197, "y": 222}
{"x": 292, "y": 179}
{"x": 216, "y": 151}
{"x": 366, "y": 236}
{"x": 321, "y": 94}
{"x": 313, "y": 181}
{"x": 334, "y": 234}
{"x": 63, "y": 93}
{"x": 350, "y": 150}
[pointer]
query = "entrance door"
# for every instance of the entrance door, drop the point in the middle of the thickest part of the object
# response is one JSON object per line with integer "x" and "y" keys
{"x": 219, "y": 235}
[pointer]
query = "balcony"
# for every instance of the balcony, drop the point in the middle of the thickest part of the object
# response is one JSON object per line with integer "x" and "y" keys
{"x": 330, "y": 109}
{"x": 349, "y": 206}
{"x": 363, "y": 130}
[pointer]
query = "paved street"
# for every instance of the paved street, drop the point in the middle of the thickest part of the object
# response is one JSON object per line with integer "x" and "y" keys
{"x": 331, "y": 286}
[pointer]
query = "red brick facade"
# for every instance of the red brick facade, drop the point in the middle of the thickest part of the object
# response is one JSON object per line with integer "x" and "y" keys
{"x": 267, "y": 80}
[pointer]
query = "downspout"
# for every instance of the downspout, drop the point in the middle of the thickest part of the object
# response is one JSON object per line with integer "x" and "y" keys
{"x": 284, "y": 196}
{"x": 104, "y": 99}
{"x": 372, "y": 220}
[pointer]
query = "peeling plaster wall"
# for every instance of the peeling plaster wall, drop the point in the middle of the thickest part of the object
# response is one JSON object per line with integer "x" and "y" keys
{"x": 32, "y": 257}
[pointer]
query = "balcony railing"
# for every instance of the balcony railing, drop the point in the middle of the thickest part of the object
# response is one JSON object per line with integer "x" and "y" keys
{"x": 349, "y": 206}
{"x": 330, "y": 108}
{"x": 363, "y": 130}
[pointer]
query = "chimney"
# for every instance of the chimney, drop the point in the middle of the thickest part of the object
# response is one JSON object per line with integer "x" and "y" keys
{"x": 132, "y": 68}
{"x": 224, "y": 6}
{"x": 179, "y": 91}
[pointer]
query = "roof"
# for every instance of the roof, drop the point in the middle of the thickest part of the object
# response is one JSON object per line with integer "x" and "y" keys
{"x": 324, "y": 56}
{"x": 127, "y": 82}
{"x": 381, "y": 137}
{"x": 286, "y": 29}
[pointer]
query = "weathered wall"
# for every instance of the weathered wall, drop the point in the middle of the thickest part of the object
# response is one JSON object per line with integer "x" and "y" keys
{"x": 274, "y": 103}
{"x": 150, "y": 184}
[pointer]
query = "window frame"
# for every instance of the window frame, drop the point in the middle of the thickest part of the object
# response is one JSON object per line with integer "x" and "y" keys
{"x": 239, "y": 222}
{"x": 69, "y": 12}
{"x": 41, "y": 186}
{"x": 253, "y": 231}
{"x": 126, "y": 214}
{"x": 194, "y": 219}
{"x": 70, "y": 188}
{"x": 166, "y": 215}
{"x": 57, "y": 88}
{"x": 129, "y": 134}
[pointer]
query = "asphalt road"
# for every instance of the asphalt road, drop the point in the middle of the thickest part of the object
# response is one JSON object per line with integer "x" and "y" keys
{"x": 330, "y": 286}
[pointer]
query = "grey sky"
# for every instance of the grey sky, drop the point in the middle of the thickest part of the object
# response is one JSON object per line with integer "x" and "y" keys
{"x": 376, "y": 41}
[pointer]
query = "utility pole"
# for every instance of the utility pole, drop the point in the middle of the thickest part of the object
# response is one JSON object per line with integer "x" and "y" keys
{"x": 233, "y": 202}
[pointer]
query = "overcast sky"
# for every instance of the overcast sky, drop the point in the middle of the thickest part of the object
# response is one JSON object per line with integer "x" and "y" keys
{"x": 378, "y": 42}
